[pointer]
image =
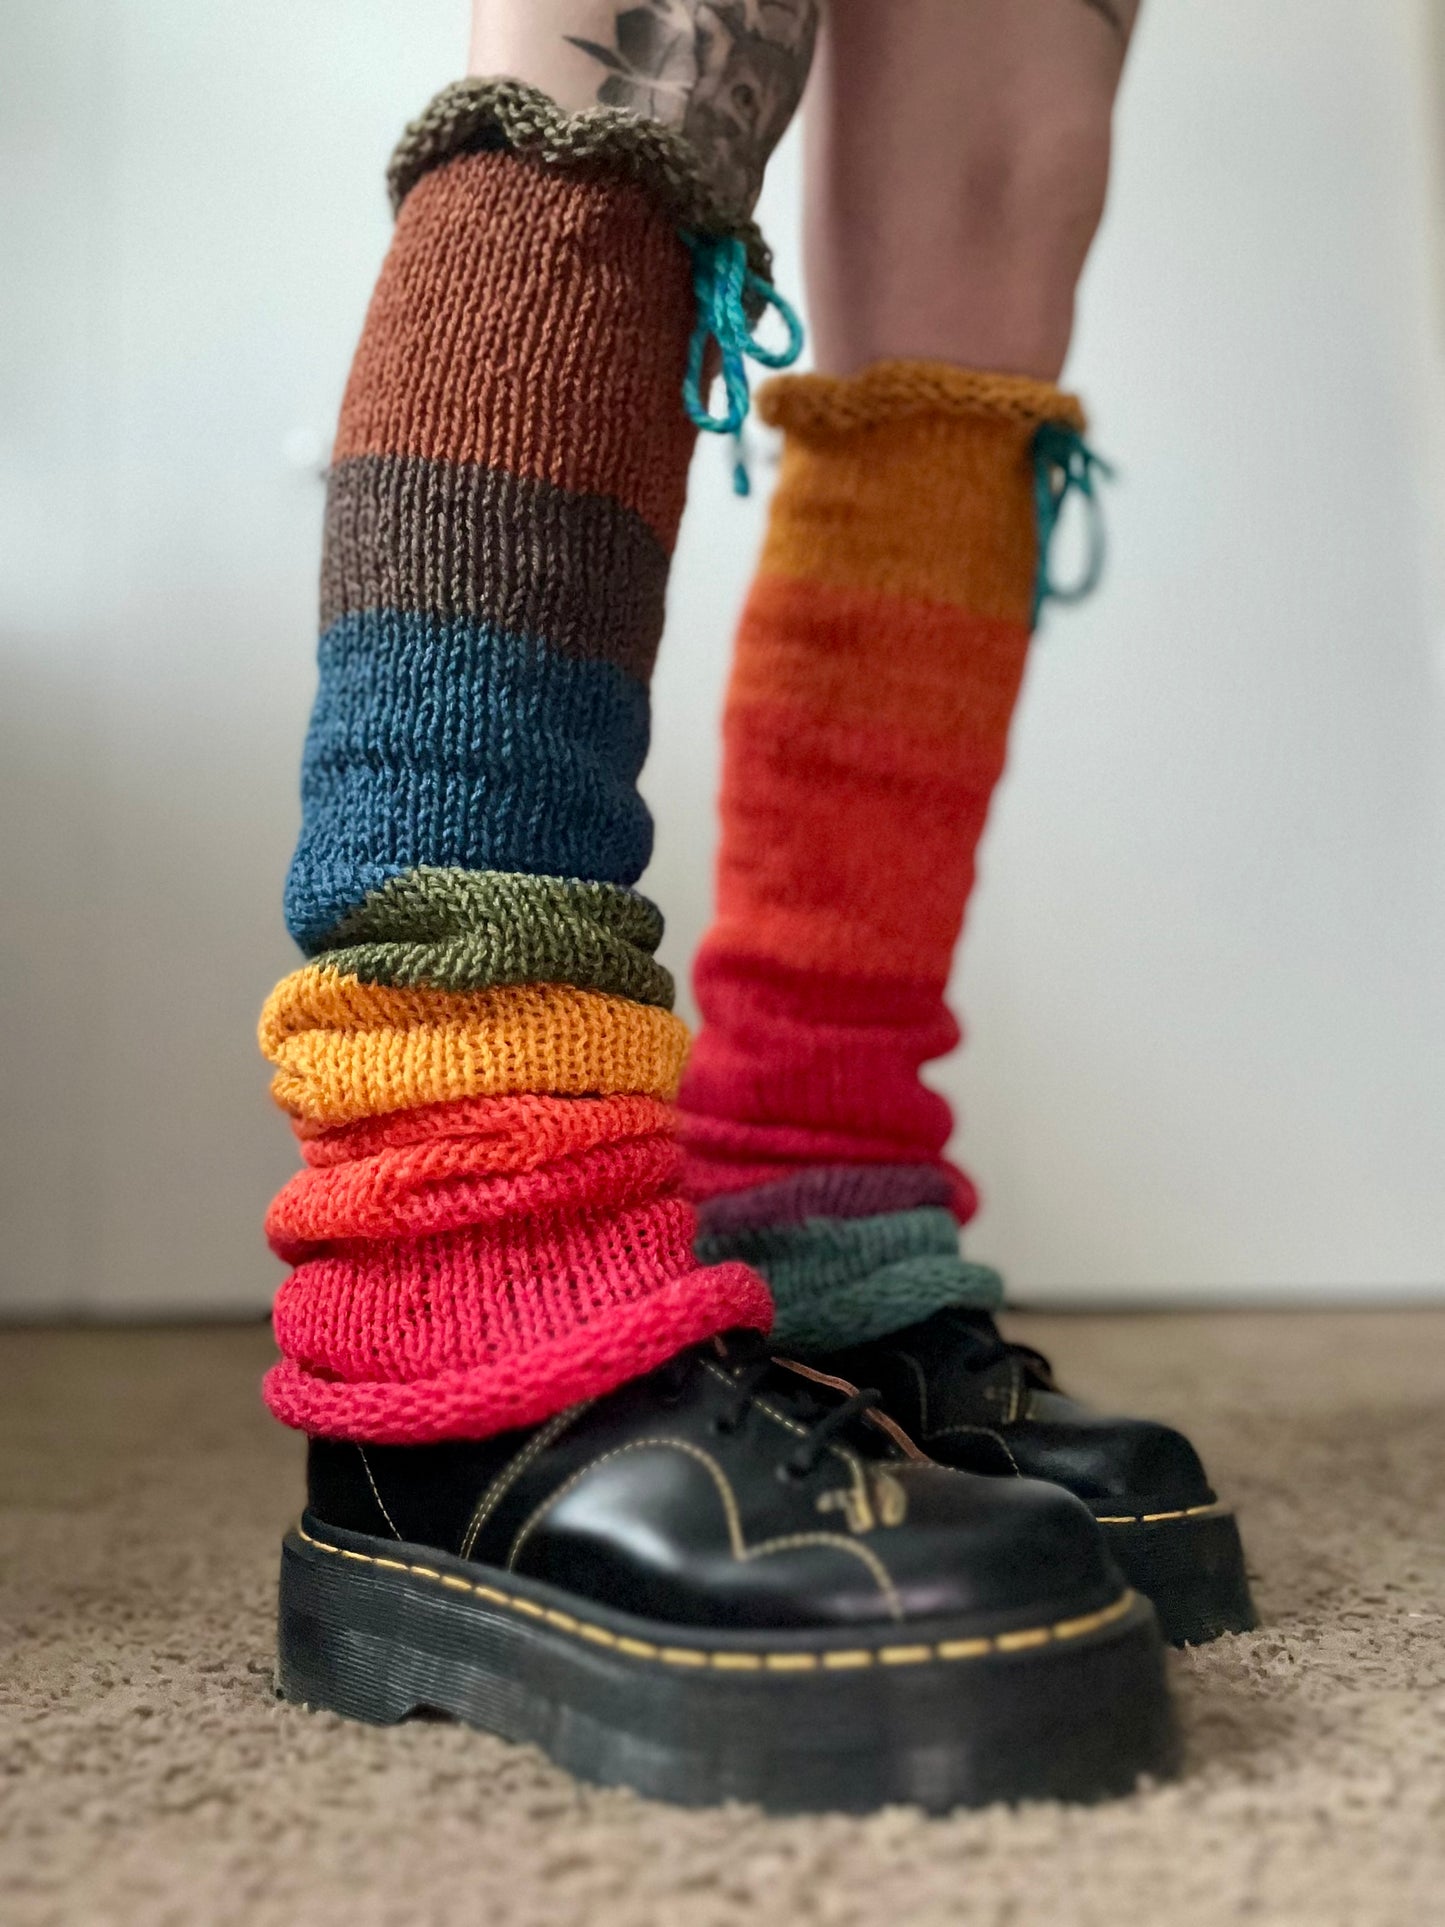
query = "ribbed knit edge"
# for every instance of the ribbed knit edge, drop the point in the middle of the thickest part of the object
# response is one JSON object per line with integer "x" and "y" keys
{"x": 525, "y": 1387}
{"x": 601, "y": 143}
{"x": 826, "y": 1317}
{"x": 889, "y": 391}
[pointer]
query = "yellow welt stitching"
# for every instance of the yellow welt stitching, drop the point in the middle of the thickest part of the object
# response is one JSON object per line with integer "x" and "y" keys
{"x": 965, "y": 1648}
{"x": 1017, "y": 1642}
{"x": 782, "y": 1662}
{"x": 1091, "y": 1622}
{"x": 637, "y": 1648}
{"x": 1154, "y": 1518}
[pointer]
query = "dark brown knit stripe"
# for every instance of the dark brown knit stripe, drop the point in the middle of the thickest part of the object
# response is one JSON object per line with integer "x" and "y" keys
{"x": 578, "y": 572}
{"x": 496, "y": 263}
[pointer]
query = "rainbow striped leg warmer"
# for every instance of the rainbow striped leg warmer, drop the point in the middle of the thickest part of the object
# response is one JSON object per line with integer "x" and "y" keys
{"x": 877, "y": 664}
{"x": 480, "y": 1056}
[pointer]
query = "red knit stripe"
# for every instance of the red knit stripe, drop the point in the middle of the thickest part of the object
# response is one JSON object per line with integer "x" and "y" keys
{"x": 850, "y": 846}
{"x": 413, "y": 1308}
{"x": 502, "y": 1133}
{"x": 420, "y": 1190}
{"x": 425, "y": 1401}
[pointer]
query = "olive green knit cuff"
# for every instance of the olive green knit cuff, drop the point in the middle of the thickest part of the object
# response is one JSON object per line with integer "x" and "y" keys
{"x": 843, "y": 1281}
{"x": 478, "y": 929}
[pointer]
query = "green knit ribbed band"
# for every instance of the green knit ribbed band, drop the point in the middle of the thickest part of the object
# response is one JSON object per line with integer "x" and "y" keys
{"x": 842, "y": 1281}
{"x": 475, "y": 929}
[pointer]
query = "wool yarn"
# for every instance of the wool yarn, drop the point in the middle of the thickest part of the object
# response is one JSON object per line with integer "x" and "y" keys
{"x": 346, "y": 1050}
{"x": 877, "y": 665}
{"x": 479, "y": 1055}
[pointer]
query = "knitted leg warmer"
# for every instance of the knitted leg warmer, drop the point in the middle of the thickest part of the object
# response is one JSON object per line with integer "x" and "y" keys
{"x": 878, "y": 660}
{"x": 480, "y": 1057}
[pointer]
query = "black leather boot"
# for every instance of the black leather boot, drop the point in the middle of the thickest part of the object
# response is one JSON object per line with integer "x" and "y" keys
{"x": 729, "y": 1579}
{"x": 977, "y": 1402}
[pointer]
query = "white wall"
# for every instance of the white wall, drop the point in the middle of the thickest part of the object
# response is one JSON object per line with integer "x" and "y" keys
{"x": 1203, "y": 979}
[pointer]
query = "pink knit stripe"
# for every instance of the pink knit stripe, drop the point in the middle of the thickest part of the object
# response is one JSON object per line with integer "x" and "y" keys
{"x": 423, "y": 1190}
{"x": 374, "y": 1310}
{"x": 818, "y": 1050}
{"x": 504, "y": 1134}
{"x": 506, "y": 1388}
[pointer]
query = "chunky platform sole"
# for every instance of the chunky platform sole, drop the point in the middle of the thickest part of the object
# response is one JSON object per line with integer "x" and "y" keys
{"x": 1191, "y": 1565}
{"x": 940, "y": 1714}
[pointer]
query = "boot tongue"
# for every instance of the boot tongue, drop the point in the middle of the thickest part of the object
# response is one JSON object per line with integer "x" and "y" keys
{"x": 970, "y": 1338}
{"x": 975, "y": 1377}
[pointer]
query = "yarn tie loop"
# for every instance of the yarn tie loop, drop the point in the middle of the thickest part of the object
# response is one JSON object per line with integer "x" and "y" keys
{"x": 1064, "y": 465}
{"x": 723, "y": 282}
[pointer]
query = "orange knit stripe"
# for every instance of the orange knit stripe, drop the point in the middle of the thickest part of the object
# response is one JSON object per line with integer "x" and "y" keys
{"x": 850, "y": 846}
{"x": 860, "y": 654}
{"x": 911, "y": 479}
{"x": 346, "y": 1050}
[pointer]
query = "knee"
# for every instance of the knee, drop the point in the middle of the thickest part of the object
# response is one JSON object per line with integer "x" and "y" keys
{"x": 973, "y": 258}
{"x": 1034, "y": 195}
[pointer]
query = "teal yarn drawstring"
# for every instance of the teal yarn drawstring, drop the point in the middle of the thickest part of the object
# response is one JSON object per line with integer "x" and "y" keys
{"x": 722, "y": 281}
{"x": 1064, "y": 464}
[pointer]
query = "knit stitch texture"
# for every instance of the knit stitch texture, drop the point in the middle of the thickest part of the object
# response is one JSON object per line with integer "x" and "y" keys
{"x": 878, "y": 661}
{"x": 478, "y": 1061}
{"x": 471, "y": 930}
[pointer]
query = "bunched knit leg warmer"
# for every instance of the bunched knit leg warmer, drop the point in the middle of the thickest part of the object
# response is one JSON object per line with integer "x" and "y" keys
{"x": 877, "y": 665}
{"x": 480, "y": 1057}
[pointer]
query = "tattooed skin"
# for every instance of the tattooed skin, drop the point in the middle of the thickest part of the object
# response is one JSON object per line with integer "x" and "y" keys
{"x": 727, "y": 73}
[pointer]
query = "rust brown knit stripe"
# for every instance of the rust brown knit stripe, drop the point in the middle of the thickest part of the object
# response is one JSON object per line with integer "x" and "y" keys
{"x": 578, "y": 572}
{"x": 493, "y": 256}
{"x": 603, "y": 143}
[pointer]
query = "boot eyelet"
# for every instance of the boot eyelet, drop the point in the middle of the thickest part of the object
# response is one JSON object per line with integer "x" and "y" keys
{"x": 786, "y": 1473}
{"x": 724, "y": 1426}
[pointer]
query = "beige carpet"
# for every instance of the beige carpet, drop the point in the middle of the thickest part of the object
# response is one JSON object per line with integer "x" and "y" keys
{"x": 148, "y": 1775}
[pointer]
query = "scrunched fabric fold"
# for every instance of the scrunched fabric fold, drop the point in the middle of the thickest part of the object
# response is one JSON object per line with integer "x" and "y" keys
{"x": 420, "y": 1191}
{"x": 345, "y": 1050}
{"x": 459, "y": 1336}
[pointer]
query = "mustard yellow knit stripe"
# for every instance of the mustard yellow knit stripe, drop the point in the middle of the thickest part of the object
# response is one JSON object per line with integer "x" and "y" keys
{"x": 344, "y": 1049}
{"x": 888, "y": 391}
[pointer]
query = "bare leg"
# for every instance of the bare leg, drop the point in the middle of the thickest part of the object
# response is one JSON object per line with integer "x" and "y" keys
{"x": 727, "y": 73}
{"x": 957, "y": 166}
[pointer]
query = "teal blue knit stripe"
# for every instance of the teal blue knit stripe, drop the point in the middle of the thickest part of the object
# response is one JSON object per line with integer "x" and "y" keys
{"x": 842, "y": 1281}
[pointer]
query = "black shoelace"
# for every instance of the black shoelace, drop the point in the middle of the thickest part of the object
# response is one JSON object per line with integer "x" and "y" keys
{"x": 749, "y": 1365}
